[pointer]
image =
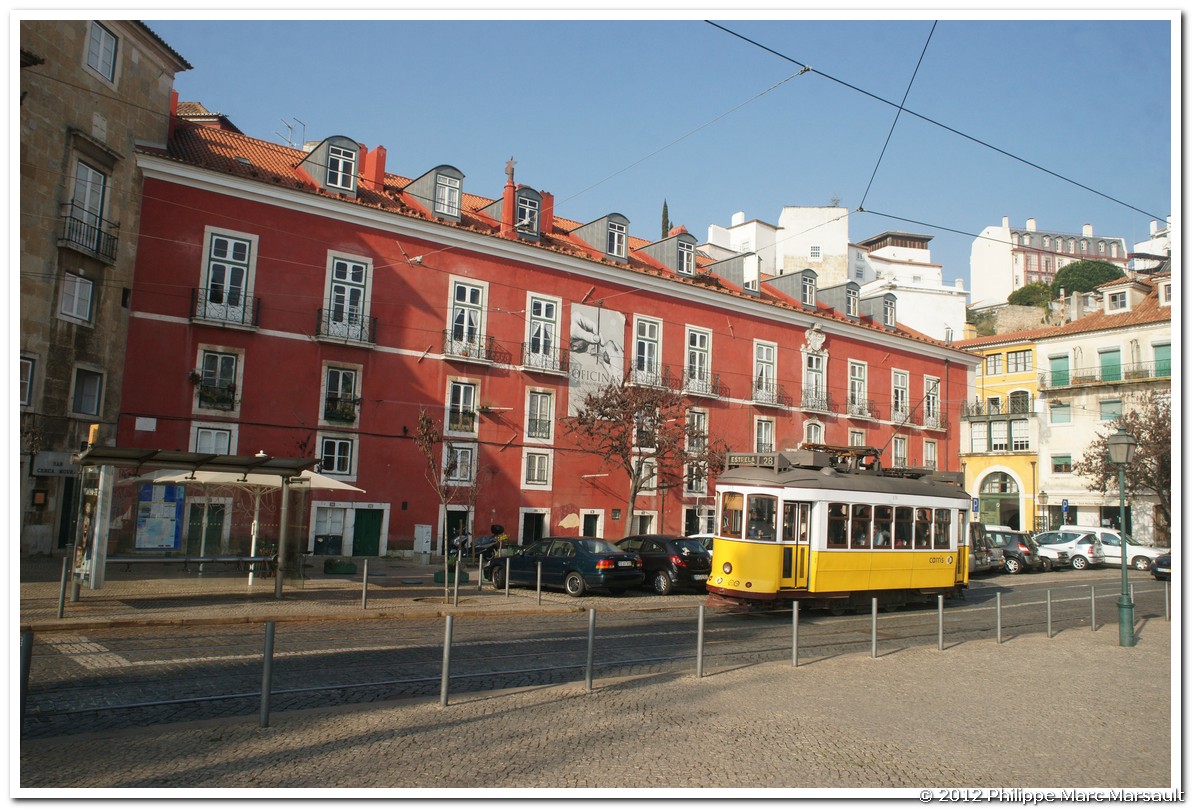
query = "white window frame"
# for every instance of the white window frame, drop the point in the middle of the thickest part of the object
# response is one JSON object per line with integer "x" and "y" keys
{"x": 1117, "y": 301}
{"x": 542, "y": 332}
{"x": 856, "y": 438}
{"x": 463, "y": 396}
{"x": 979, "y": 436}
{"x": 813, "y": 432}
{"x": 686, "y": 258}
{"x": 466, "y": 319}
{"x": 1063, "y": 409}
{"x": 100, "y": 378}
{"x": 618, "y": 240}
{"x": 466, "y": 451}
{"x": 815, "y": 376}
{"x": 344, "y": 316}
{"x": 930, "y": 454}
{"x": 90, "y": 197}
{"x": 696, "y": 441}
{"x": 1113, "y": 416}
{"x": 341, "y": 167}
{"x": 540, "y": 410}
{"x": 763, "y": 434}
{"x": 852, "y": 302}
{"x": 73, "y": 305}
{"x": 538, "y": 460}
{"x": 527, "y": 215}
{"x": 815, "y": 252}
{"x": 808, "y": 290}
{"x": 900, "y": 397}
{"x": 698, "y": 370}
{"x": 765, "y": 371}
{"x": 931, "y": 401}
{"x": 890, "y": 314}
{"x": 858, "y": 388}
{"x": 1020, "y": 435}
{"x": 218, "y": 379}
{"x": 341, "y": 370}
{"x": 999, "y": 436}
{"x": 102, "y": 49}
{"x": 647, "y": 351}
{"x": 28, "y": 378}
{"x": 448, "y": 194}
{"x": 227, "y": 308}
{"x": 341, "y": 439}
{"x": 229, "y": 428}
{"x": 899, "y": 451}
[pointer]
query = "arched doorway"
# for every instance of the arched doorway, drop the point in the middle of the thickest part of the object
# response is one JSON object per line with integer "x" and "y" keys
{"x": 999, "y": 500}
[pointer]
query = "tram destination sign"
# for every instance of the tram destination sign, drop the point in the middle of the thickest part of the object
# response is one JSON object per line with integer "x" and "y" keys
{"x": 768, "y": 459}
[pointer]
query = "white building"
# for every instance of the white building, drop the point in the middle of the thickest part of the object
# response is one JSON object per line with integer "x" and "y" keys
{"x": 1150, "y": 254}
{"x": 1005, "y": 259}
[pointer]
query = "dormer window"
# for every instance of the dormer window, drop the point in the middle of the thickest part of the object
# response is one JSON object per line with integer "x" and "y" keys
{"x": 852, "y": 302}
{"x": 1165, "y": 294}
{"x": 447, "y": 195}
{"x": 1116, "y": 301}
{"x": 808, "y": 290}
{"x": 686, "y": 258}
{"x": 890, "y": 319}
{"x": 341, "y": 168}
{"x": 617, "y": 239}
{"x": 527, "y": 215}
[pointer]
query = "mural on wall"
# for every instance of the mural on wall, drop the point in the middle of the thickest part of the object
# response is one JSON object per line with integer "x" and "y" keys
{"x": 597, "y": 352}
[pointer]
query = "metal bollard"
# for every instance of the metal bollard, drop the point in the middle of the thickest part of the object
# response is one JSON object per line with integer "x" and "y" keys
{"x": 539, "y": 585}
{"x": 458, "y": 564}
{"x": 1167, "y": 601}
{"x": 446, "y": 677}
{"x": 999, "y": 617}
{"x": 74, "y": 580}
{"x": 62, "y": 585}
{"x": 591, "y": 646}
{"x": 480, "y": 574}
{"x": 1049, "y": 613}
{"x": 507, "y": 577}
{"x": 26, "y": 663}
{"x": 940, "y": 610}
{"x": 873, "y": 627}
{"x": 699, "y": 644}
{"x": 267, "y": 673}
{"x": 364, "y": 588}
{"x": 1093, "y": 605}
{"x": 794, "y": 635}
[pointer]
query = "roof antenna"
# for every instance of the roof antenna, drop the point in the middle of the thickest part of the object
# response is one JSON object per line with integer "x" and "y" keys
{"x": 289, "y": 136}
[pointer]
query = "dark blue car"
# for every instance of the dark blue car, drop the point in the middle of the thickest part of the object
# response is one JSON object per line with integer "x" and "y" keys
{"x": 1161, "y": 568}
{"x": 571, "y": 564}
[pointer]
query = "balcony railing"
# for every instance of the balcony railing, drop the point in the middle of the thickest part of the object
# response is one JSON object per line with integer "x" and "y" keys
{"x": 217, "y": 397}
{"x": 340, "y": 408}
{"x": 1014, "y": 407}
{"x": 770, "y": 393}
{"x": 817, "y": 399}
{"x": 347, "y": 325}
{"x": 459, "y": 345}
{"x": 703, "y": 383}
{"x": 461, "y": 421}
{"x": 538, "y": 428}
{"x": 85, "y": 231}
{"x": 654, "y": 376}
{"x": 537, "y": 357}
{"x": 1136, "y": 372}
{"x": 933, "y": 421}
{"x": 222, "y": 307}
{"x": 862, "y": 408}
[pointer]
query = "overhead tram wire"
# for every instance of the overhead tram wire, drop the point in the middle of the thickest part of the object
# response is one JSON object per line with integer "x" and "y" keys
{"x": 924, "y": 118}
{"x": 894, "y": 123}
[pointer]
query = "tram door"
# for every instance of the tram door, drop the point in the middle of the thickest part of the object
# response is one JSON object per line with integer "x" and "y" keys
{"x": 796, "y": 557}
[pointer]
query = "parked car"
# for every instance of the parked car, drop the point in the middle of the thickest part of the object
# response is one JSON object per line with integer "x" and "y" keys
{"x": 1049, "y": 558}
{"x": 1019, "y": 551}
{"x": 1141, "y": 556}
{"x": 1161, "y": 567}
{"x": 981, "y": 556}
{"x": 670, "y": 562}
{"x": 1083, "y": 548}
{"x": 704, "y": 539}
{"x": 572, "y": 564}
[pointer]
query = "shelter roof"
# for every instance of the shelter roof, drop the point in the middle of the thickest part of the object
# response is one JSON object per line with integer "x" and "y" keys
{"x": 148, "y": 459}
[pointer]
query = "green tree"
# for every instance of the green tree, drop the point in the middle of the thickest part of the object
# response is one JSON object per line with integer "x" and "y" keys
{"x": 1033, "y": 294}
{"x": 1150, "y": 471}
{"x": 1085, "y": 276}
{"x": 666, "y": 225}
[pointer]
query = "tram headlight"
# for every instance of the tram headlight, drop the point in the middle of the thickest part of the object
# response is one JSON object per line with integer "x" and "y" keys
{"x": 727, "y": 568}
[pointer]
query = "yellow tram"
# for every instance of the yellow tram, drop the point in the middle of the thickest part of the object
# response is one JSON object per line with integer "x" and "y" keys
{"x": 828, "y": 525}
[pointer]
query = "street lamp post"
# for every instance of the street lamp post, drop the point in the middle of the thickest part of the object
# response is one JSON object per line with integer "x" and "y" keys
{"x": 1042, "y": 499}
{"x": 1121, "y": 453}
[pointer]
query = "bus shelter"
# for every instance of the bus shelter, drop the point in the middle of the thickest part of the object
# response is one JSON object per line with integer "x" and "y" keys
{"x": 101, "y": 466}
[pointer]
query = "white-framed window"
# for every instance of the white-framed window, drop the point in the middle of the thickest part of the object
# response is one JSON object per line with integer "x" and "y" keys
{"x": 337, "y": 455}
{"x": 527, "y": 215}
{"x": 341, "y": 167}
{"x": 815, "y": 252}
{"x": 540, "y": 415}
{"x": 537, "y": 469}
{"x": 649, "y": 476}
{"x": 214, "y": 440}
{"x": 617, "y": 239}
{"x": 931, "y": 401}
{"x": 347, "y": 297}
{"x": 87, "y": 394}
{"x": 686, "y": 258}
{"x": 467, "y": 317}
{"x": 447, "y": 195}
{"x": 647, "y": 349}
{"x": 85, "y": 226}
{"x": 856, "y": 438}
{"x": 1165, "y": 294}
{"x": 219, "y": 378}
{"x": 858, "y": 388}
{"x": 459, "y": 462}
{"x": 900, "y": 403}
{"x": 699, "y": 361}
{"x": 813, "y": 432}
{"x": 900, "y": 458}
{"x": 998, "y": 436}
{"x": 852, "y": 302}
{"x": 979, "y": 437}
{"x": 101, "y": 51}
{"x": 1020, "y": 437}
{"x": 1061, "y": 413}
{"x": 1116, "y": 301}
{"x": 1101, "y": 247}
{"x": 340, "y": 394}
{"x": 890, "y": 314}
{"x": 227, "y": 277}
{"x": 542, "y": 349}
{"x": 765, "y": 372}
{"x": 75, "y": 303}
{"x": 808, "y": 287}
{"x": 763, "y": 435}
{"x": 1018, "y": 362}
{"x": 28, "y": 371}
{"x": 815, "y": 390}
{"x": 695, "y": 480}
{"x": 930, "y": 456}
{"x": 461, "y": 408}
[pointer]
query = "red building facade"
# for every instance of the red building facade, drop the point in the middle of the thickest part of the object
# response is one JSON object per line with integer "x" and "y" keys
{"x": 308, "y": 303}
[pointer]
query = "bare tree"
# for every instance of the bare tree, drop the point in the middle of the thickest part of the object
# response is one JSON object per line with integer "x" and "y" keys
{"x": 644, "y": 431}
{"x": 439, "y": 473}
{"x": 1150, "y": 471}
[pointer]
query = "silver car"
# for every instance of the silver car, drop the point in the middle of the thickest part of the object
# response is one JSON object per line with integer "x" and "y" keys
{"x": 1083, "y": 547}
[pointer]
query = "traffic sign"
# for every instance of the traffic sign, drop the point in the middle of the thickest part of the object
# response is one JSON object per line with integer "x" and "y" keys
{"x": 1064, "y": 506}
{"x": 976, "y": 504}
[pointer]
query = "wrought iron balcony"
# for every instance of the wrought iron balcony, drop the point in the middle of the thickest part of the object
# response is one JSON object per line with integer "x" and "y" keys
{"x": 461, "y": 421}
{"x": 862, "y": 408}
{"x": 651, "y": 375}
{"x": 538, "y": 357}
{"x": 770, "y": 393}
{"x": 217, "y": 397}
{"x": 340, "y": 408}
{"x": 980, "y": 409}
{"x": 346, "y": 325}
{"x": 703, "y": 383}
{"x": 83, "y": 230}
{"x": 1077, "y": 377}
{"x": 817, "y": 399}
{"x": 934, "y": 421}
{"x": 538, "y": 428}
{"x": 224, "y": 307}
{"x": 471, "y": 347}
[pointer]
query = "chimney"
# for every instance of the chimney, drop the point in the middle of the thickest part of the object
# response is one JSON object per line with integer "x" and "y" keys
{"x": 677, "y": 229}
{"x": 372, "y": 168}
{"x": 173, "y": 122}
{"x": 1154, "y": 227}
{"x": 1030, "y": 224}
{"x": 1087, "y": 230}
{"x": 1006, "y": 222}
{"x": 738, "y": 218}
{"x": 548, "y": 213}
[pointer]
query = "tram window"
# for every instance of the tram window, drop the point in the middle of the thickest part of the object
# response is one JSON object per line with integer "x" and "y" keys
{"x": 883, "y": 526}
{"x": 763, "y": 516}
{"x": 796, "y": 522}
{"x": 904, "y": 526}
{"x": 922, "y": 528}
{"x": 731, "y": 512}
{"x": 862, "y": 520}
{"x": 837, "y": 525}
{"x": 943, "y": 528}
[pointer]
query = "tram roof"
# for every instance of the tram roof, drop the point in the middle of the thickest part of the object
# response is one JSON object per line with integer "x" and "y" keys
{"x": 809, "y": 473}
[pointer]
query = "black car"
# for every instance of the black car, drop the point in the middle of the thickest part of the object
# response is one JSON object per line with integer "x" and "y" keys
{"x": 1161, "y": 567}
{"x": 572, "y": 564}
{"x": 670, "y": 562}
{"x": 1020, "y": 552}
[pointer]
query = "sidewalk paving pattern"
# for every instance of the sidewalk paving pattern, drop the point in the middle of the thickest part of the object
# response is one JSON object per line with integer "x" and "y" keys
{"x": 914, "y": 717}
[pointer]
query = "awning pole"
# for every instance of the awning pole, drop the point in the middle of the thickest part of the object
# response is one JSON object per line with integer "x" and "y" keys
{"x": 281, "y": 536}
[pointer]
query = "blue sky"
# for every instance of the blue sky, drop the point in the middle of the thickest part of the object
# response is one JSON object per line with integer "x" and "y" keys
{"x": 618, "y": 115}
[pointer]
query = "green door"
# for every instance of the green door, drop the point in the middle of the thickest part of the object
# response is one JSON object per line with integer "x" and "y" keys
{"x": 194, "y": 529}
{"x": 366, "y": 536}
